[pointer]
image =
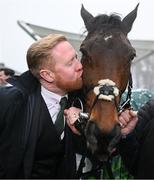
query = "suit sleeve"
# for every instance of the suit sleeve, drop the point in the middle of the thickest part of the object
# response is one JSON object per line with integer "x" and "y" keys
{"x": 11, "y": 105}
{"x": 131, "y": 146}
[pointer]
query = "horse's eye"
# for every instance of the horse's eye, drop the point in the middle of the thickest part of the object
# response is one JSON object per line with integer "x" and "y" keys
{"x": 83, "y": 51}
{"x": 132, "y": 56}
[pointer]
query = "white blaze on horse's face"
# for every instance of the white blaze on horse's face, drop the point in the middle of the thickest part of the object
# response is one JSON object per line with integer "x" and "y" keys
{"x": 108, "y": 37}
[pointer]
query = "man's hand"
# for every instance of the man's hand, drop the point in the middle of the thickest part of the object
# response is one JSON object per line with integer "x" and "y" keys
{"x": 72, "y": 114}
{"x": 128, "y": 120}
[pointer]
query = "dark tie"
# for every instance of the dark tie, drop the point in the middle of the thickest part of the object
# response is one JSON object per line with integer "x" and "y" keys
{"x": 59, "y": 123}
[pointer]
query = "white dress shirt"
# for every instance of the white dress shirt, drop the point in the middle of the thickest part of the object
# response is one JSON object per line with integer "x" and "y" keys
{"x": 52, "y": 101}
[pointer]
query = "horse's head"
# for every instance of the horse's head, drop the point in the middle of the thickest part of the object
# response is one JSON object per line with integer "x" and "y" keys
{"x": 106, "y": 57}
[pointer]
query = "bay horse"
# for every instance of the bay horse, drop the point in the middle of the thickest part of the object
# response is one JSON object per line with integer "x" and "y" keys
{"x": 106, "y": 57}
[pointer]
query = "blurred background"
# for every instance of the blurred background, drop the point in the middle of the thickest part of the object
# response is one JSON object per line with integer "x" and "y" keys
{"x": 24, "y": 21}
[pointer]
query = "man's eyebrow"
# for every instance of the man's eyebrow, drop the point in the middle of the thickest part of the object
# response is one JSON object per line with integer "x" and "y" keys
{"x": 75, "y": 56}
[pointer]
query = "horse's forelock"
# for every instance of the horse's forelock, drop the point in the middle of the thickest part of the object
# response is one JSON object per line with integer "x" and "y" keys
{"x": 104, "y": 22}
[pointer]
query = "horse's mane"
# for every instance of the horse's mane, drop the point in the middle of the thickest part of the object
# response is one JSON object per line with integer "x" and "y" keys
{"x": 106, "y": 22}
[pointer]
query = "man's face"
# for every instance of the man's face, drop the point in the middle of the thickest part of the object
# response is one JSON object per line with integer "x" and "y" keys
{"x": 3, "y": 78}
{"x": 67, "y": 69}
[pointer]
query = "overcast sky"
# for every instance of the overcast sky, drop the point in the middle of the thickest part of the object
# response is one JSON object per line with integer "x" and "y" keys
{"x": 62, "y": 15}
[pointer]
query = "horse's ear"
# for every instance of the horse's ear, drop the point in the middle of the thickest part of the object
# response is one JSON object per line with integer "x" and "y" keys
{"x": 87, "y": 17}
{"x": 129, "y": 20}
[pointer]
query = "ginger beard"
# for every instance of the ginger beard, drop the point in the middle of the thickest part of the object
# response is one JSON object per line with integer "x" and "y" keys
{"x": 69, "y": 85}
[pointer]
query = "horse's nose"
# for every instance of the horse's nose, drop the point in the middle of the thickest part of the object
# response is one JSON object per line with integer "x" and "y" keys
{"x": 114, "y": 137}
{"x": 101, "y": 143}
{"x": 90, "y": 132}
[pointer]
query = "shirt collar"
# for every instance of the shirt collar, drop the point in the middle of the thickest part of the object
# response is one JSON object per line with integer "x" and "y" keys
{"x": 50, "y": 96}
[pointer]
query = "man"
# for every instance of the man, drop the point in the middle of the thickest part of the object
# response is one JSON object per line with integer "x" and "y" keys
{"x": 5, "y": 73}
{"x": 31, "y": 145}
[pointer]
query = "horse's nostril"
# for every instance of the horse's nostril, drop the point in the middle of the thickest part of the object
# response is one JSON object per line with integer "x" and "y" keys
{"x": 114, "y": 132}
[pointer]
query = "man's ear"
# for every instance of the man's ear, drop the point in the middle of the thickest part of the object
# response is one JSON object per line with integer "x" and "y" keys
{"x": 47, "y": 75}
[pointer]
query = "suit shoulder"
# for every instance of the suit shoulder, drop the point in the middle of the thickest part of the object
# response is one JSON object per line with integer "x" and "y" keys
{"x": 8, "y": 94}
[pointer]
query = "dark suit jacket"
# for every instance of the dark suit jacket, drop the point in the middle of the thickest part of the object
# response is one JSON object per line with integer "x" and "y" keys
{"x": 20, "y": 124}
{"x": 137, "y": 150}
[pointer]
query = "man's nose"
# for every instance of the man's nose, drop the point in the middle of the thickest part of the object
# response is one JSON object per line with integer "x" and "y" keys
{"x": 79, "y": 65}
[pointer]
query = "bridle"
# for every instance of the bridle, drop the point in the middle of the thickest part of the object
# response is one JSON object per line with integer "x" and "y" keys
{"x": 126, "y": 104}
{"x": 107, "y": 90}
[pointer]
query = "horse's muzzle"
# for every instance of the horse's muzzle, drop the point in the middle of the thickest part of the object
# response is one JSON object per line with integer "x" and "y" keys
{"x": 100, "y": 143}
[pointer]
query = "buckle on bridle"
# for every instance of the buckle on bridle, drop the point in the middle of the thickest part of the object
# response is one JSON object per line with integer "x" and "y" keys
{"x": 81, "y": 122}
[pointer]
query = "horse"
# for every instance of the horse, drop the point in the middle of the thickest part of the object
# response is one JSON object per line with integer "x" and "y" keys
{"x": 106, "y": 58}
